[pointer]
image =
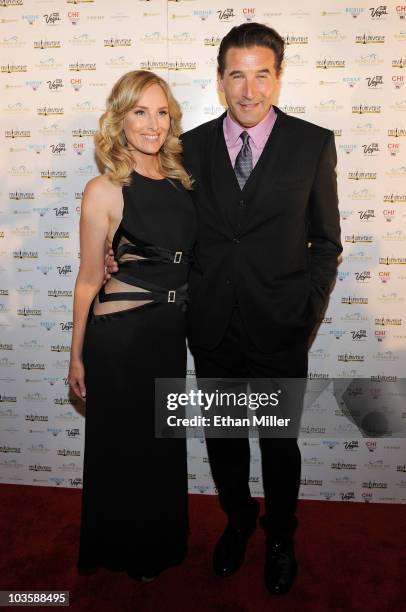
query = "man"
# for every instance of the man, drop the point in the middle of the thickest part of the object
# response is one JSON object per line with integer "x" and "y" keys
{"x": 266, "y": 256}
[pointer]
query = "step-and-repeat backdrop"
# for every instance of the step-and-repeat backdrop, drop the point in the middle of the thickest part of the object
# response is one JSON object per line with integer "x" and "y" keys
{"x": 344, "y": 69}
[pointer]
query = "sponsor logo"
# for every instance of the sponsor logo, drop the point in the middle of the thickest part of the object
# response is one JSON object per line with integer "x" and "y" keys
{"x": 361, "y": 194}
{"x": 394, "y": 198}
{"x": 354, "y": 11}
{"x": 318, "y": 375}
{"x": 378, "y": 12}
{"x": 328, "y": 63}
{"x": 347, "y": 496}
{"x": 393, "y": 148}
{"x": 348, "y": 357}
{"x": 55, "y": 234}
{"x": 399, "y": 62}
{"x": 202, "y": 14}
{"x": 315, "y": 482}
{"x": 351, "y": 445}
{"x": 361, "y": 175}
{"x": 47, "y": 44}
{"x": 82, "y": 66}
{"x": 212, "y": 41}
{"x": 359, "y": 238}
{"x": 354, "y": 300}
{"x": 294, "y": 110}
{"x": 371, "y": 59}
{"x": 362, "y": 277}
{"x": 373, "y": 484}
{"x": 329, "y": 106}
{"x": 367, "y": 39}
{"x": 365, "y": 109}
{"x": 115, "y": 41}
{"x": 384, "y": 321}
{"x": 366, "y": 216}
{"x": 83, "y": 133}
{"x": 401, "y": 11}
{"x": 396, "y": 236}
{"x": 17, "y": 134}
{"x": 226, "y": 14}
{"x": 370, "y": 149}
{"x": 397, "y": 132}
{"x": 358, "y": 335}
{"x": 331, "y": 36}
{"x": 392, "y": 261}
{"x": 342, "y": 465}
{"x": 10, "y": 68}
{"x": 53, "y": 174}
{"x": 291, "y": 39}
{"x": 398, "y": 80}
{"x": 295, "y": 60}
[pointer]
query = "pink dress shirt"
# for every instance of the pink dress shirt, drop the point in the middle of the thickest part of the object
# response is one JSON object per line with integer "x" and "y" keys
{"x": 259, "y": 134}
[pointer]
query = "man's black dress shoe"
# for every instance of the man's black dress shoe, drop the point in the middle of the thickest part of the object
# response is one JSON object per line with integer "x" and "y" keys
{"x": 280, "y": 565}
{"x": 229, "y": 552}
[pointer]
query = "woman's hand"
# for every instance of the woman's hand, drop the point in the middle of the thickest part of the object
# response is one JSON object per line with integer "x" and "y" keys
{"x": 76, "y": 378}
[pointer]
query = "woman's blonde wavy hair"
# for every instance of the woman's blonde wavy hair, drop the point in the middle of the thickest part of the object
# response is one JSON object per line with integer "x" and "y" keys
{"x": 111, "y": 144}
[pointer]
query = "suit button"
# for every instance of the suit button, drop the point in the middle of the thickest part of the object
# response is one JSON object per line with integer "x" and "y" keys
{"x": 236, "y": 240}
{"x": 241, "y": 203}
{"x": 228, "y": 282}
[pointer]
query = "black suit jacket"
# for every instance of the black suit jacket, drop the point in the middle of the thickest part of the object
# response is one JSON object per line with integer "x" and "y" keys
{"x": 253, "y": 244}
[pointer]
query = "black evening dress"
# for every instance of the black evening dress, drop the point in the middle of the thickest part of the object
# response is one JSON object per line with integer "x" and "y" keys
{"x": 134, "y": 499}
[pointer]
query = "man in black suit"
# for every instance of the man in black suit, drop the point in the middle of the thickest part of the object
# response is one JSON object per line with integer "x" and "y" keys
{"x": 266, "y": 257}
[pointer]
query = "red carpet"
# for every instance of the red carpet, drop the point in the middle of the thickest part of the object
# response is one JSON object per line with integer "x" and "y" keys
{"x": 351, "y": 556}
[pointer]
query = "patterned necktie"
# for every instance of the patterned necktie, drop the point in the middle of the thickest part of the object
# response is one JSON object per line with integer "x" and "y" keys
{"x": 243, "y": 163}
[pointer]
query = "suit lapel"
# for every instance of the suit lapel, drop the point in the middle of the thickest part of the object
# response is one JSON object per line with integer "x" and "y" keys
{"x": 225, "y": 190}
{"x": 264, "y": 171}
{"x": 208, "y": 175}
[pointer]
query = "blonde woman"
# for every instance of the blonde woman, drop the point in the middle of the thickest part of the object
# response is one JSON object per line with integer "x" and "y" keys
{"x": 131, "y": 330}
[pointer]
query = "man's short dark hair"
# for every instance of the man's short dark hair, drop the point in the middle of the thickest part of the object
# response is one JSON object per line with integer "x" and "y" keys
{"x": 252, "y": 35}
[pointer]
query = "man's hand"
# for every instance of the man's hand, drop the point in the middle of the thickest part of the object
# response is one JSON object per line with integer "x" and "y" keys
{"x": 111, "y": 265}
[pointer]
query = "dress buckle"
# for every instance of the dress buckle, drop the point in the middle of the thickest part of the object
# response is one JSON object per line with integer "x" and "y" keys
{"x": 171, "y": 296}
{"x": 178, "y": 257}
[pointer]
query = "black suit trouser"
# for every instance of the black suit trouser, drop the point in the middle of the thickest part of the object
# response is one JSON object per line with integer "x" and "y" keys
{"x": 237, "y": 356}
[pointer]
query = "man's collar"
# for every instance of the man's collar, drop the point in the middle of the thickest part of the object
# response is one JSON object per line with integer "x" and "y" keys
{"x": 258, "y": 133}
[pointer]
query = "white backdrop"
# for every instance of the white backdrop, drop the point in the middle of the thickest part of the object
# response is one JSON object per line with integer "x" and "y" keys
{"x": 344, "y": 69}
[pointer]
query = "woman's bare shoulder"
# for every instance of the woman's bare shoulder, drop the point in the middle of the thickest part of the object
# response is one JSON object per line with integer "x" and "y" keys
{"x": 101, "y": 194}
{"x": 101, "y": 186}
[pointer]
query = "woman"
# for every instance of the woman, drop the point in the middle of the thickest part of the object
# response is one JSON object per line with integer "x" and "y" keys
{"x": 131, "y": 330}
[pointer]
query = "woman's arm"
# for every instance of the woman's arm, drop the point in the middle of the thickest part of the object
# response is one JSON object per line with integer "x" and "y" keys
{"x": 94, "y": 227}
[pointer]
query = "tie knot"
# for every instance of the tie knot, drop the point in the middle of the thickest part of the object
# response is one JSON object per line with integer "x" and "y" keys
{"x": 244, "y": 135}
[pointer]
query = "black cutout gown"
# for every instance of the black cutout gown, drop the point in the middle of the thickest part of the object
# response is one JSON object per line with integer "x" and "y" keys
{"x": 134, "y": 499}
